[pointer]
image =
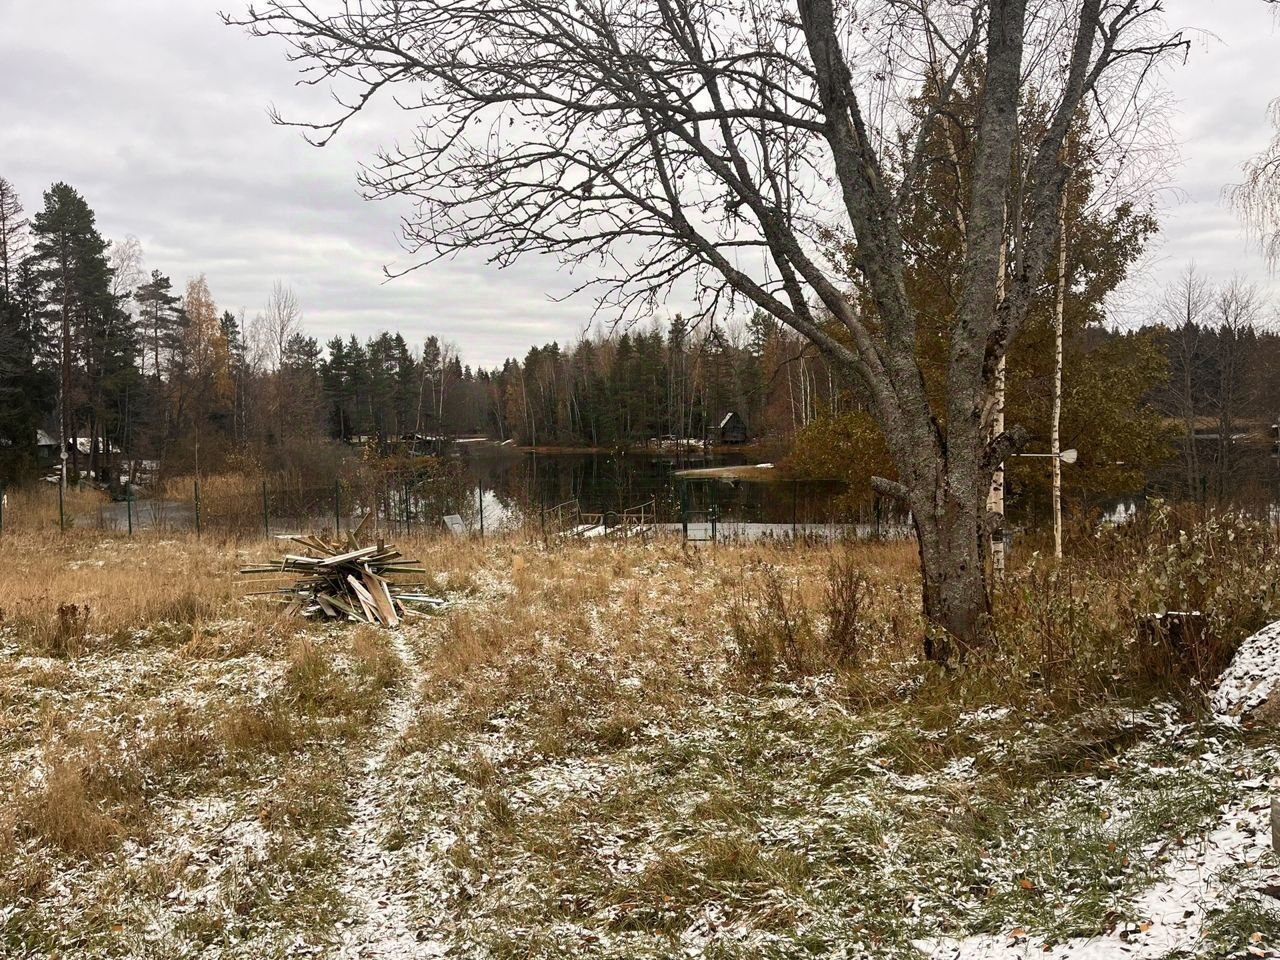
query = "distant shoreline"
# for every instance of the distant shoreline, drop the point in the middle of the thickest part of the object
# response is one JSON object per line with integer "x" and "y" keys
{"x": 746, "y": 449}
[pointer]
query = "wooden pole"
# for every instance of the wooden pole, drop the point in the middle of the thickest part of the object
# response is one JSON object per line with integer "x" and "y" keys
{"x": 62, "y": 510}
{"x": 196, "y": 486}
{"x": 266, "y": 517}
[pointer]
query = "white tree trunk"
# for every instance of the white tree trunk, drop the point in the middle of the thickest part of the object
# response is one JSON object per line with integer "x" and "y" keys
{"x": 995, "y": 497}
{"x": 1055, "y": 440}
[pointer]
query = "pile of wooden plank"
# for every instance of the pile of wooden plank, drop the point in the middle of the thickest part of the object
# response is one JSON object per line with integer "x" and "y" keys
{"x": 345, "y": 581}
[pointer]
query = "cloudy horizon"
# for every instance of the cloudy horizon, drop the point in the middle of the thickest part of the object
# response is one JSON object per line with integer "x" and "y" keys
{"x": 158, "y": 115}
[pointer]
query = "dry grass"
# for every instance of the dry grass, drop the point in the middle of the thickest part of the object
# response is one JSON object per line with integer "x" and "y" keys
{"x": 677, "y": 709}
{"x": 65, "y": 595}
{"x": 33, "y": 508}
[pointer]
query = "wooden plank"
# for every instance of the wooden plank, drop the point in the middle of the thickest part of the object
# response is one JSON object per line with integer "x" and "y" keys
{"x": 345, "y": 557}
{"x": 315, "y": 543}
{"x": 344, "y": 607}
{"x": 382, "y": 598}
{"x": 360, "y": 527}
{"x": 365, "y": 598}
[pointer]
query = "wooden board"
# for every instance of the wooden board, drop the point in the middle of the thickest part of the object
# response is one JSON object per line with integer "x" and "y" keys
{"x": 382, "y": 598}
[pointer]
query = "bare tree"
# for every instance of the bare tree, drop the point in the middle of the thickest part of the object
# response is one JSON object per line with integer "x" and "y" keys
{"x": 275, "y": 328}
{"x": 282, "y": 319}
{"x": 14, "y": 241}
{"x": 1185, "y": 311}
{"x": 1237, "y": 310}
{"x": 1257, "y": 199}
{"x": 755, "y": 152}
{"x": 126, "y": 269}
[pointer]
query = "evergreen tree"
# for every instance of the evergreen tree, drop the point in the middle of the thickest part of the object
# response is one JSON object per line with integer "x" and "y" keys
{"x": 70, "y": 264}
{"x": 160, "y": 316}
{"x": 304, "y": 387}
{"x": 334, "y": 378}
{"x": 238, "y": 361}
{"x": 26, "y": 388}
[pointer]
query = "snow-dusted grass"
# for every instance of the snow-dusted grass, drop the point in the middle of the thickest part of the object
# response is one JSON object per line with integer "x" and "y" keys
{"x": 606, "y": 750}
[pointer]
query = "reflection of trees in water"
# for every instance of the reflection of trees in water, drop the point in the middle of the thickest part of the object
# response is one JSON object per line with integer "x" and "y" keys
{"x": 603, "y": 483}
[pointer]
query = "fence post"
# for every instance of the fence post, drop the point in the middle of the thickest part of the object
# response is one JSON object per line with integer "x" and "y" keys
{"x": 480, "y": 497}
{"x": 128, "y": 507}
{"x": 337, "y": 508}
{"x": 684, "y": 512}
{"x": 62, "y": 512}
{"x": 196, "y": 485}
{"x": 406, "y": 509}
{"x": 794, "y": 484}
{"x": 266, "y": 518}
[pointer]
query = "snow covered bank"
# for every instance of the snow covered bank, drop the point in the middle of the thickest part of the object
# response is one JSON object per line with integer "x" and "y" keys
{"x": 1251, "y": 685}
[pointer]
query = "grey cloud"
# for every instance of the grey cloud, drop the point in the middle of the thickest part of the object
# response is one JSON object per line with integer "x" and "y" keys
{"x": 158, "y": 114}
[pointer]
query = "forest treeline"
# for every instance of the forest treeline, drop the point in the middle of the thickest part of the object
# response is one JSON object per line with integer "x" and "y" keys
{"x": 127, "y": 366}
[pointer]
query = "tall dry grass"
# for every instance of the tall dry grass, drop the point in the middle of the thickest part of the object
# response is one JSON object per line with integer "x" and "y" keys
{"x": 1067, "y": 634}
{"x": 33, "y": 508}
{"x": 63, "y": 595}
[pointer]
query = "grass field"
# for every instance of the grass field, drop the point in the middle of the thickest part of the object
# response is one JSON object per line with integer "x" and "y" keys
{"x": 614, "y": 750}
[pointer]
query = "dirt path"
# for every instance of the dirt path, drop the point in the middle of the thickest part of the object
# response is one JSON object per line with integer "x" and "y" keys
{"x": 381, "y": 923}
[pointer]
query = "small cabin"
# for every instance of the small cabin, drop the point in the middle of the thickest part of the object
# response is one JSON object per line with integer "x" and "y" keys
{"x": 732, "y": 429}
{"x": 46, "y": 450}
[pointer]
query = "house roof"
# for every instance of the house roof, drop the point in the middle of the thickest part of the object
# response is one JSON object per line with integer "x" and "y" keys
{"x": 728, "y": 417}
{"x": 84, "y": 445}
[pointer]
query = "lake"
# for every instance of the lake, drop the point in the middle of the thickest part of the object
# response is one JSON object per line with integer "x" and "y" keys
{"x": 518, "y": 484}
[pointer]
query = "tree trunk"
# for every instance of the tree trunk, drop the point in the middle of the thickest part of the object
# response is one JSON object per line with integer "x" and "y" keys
{"x": 957, "y": 604}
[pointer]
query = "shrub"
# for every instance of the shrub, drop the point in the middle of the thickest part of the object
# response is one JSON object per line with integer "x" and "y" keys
{"x": 774, "y": 626}
{"x": 1095, "y": 623}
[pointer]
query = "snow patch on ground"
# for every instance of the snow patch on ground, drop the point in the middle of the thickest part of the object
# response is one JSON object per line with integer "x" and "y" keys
{"x": 1169, "y": 918}
{"x": 380, "y": 925}
{"x": 1253, "y": 677}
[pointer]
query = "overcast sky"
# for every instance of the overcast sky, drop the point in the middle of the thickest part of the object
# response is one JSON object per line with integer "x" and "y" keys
{"x": 158, "y": 115}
